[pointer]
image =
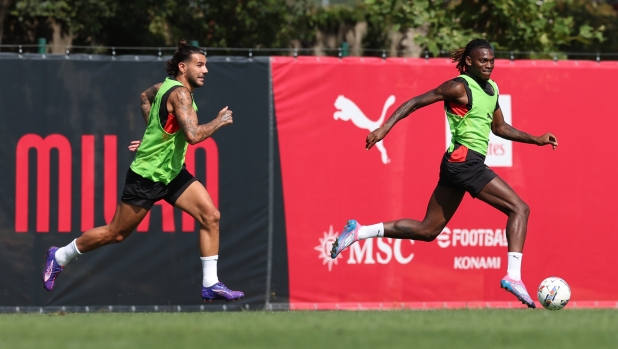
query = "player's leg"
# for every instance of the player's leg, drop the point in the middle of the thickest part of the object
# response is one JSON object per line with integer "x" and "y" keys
{"x": 138, "y": 196}
{"x": 196, "y": 201}
{"x": 125, "y": 220}
{"x": 442, "y": 205}
{"x": 501, "y": 196}
{"x": 440, "y": 209}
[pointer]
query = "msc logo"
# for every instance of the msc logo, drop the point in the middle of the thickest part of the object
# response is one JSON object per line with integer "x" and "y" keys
{"x": 31, "y": 144}
{"x": 387, "y": 251}
{"x": 349, "y": 111}
{"x": 362, "y": 252}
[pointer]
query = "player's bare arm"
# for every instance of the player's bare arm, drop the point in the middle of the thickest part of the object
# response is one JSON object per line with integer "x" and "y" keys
{"x": 147, "y": 97}
{"x": 501, "y": 129}
{"x": 181, "y": 104}
{"x": 449, "y": 91}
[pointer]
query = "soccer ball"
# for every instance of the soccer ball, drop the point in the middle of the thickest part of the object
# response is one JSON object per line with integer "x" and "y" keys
{"x": 554, "y": 293}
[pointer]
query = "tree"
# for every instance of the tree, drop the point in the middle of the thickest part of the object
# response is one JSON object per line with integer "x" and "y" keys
{"x": 434, "y": 25}
{"x": 523, "y": 25}
{"x": 87, "y": 22}
{"x": 4, "y": 6}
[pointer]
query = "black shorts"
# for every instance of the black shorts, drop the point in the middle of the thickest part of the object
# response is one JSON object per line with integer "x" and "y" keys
{"x": 465, "y": 169}
{"x": 143, "y": 192}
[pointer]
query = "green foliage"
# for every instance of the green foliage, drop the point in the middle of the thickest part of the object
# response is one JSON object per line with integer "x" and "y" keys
{"x": 436, "y": 18}
{"x": 522, "y": 25}
{"x": 441, "y": 25}
{"x": 94, "y": 22}
{"x": 310, "y": 18}
{"x": 592, "y": 14}
{"x": 239, "y": 23}
{"x": 525, "y": 25}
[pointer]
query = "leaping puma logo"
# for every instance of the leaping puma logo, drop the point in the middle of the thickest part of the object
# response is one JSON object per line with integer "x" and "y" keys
{"x": 349, "y": 111}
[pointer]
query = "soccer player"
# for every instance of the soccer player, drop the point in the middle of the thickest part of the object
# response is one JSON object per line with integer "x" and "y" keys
{"x": 472, "y": 109}
{"x": 158, "y": 172}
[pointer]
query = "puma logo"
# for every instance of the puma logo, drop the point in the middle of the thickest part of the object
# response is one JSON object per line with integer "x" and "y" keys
{"x": 349, "y": 111}
{"x": 48, "y": 272}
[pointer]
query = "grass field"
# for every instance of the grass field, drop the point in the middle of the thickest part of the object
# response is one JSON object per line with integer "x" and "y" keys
{"x": 328, "y": 329}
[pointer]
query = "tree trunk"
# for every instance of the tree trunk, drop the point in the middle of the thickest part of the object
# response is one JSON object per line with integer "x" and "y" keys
{"x": 4, "y": 6}
{"x": 60, "y": 41}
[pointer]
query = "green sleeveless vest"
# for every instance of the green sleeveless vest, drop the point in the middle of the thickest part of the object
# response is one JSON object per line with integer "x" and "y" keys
{"x": 472, "y": 130}
{"x": 161, "y": 155}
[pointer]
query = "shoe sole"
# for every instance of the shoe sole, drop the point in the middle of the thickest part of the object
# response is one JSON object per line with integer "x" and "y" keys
{"x": 334, "y": 249}
{"x": 518, "y": 297}
{"x": 44, "y": 268}
{"x": 209, "y": 300}
{"x": 335, "y": 246}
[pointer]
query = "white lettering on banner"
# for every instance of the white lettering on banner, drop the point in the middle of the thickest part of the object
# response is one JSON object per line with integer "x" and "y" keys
{"x": 384, "y": 247}
{"x": 362, "y": 252}
{"x": 472, "y": 238}
{"x": 477, "y": 263}
{"x": 499, "y": 150}
{"x": 397, "y": 252}
{"x": 444, "y": 239}
{"x": 356, "y": 249}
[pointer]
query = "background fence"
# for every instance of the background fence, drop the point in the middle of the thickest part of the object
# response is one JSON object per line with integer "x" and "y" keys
{"x": 287, "y": 175}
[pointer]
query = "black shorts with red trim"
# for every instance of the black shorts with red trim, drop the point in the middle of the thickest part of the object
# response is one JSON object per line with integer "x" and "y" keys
{"x": 465, "y": 169}
{"x": 143, "y": 192}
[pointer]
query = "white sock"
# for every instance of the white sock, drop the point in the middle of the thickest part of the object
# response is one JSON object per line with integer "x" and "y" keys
{"x": 65, "y": 254}
{"x": 514, "y": 268}
{"x": 209, "y": 266}
{"x": 371, "y": 231}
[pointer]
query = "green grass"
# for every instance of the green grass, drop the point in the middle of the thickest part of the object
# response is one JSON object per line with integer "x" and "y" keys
{"x": 339, "y": 329}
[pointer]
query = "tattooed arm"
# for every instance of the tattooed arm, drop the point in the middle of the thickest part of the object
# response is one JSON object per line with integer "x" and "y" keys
{"x": 147, "y": 97}
{"x": 448, "y": 91}
{"x": 181, "y": 103}
{"x": 501, "y": 129}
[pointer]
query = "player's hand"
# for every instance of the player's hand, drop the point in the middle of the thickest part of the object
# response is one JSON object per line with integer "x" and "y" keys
{"x": 548, "y": 138}
{"x": 225, "y": 117}
{"x": 375, "y": 136}
{"x": 134, "y": 145}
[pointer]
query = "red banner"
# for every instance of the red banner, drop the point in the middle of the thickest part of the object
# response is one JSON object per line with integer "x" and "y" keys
{"x": 325, "y": 108}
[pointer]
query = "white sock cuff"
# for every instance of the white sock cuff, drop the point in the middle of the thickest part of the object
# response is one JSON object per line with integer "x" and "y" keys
{"x": 210, "y": 258}
{"x": 74, "y": 243}
{"x": 516, "y": 254}
{"x": 371, "y": 231}
{"x": 381, "y": 229}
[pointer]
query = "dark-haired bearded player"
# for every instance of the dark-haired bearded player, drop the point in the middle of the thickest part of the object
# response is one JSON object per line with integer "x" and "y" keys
{"x": 471, "y": 104}
{"x": 158, "y": 172}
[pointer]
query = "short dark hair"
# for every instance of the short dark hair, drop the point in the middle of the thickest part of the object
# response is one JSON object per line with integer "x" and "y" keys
{"x": 183, "y": 53}
{"x": 459, "y": 56}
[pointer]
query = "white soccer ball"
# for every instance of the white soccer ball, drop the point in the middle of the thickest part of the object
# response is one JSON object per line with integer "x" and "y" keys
{"x": 554, "y": 293}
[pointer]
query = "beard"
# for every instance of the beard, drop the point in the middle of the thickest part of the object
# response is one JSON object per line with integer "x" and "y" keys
{"x": 193, "y": 81}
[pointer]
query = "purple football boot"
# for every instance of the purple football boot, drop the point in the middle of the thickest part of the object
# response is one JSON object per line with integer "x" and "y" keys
{"x": 348, "y": 236}
{"x": 52, "y": 268}
{"x": 518, "y": 289}
{"x": 219, "y": 291}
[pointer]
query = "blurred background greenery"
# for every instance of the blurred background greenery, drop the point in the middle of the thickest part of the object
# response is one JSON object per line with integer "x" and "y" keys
{"x": 524, "y": 28}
